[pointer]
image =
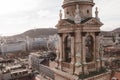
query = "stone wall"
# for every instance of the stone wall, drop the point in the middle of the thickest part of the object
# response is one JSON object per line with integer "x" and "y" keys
{"x": 104, "y": 76}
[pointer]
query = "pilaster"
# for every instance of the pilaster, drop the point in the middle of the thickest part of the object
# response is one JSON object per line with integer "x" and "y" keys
{"x": 98, "y": 64}
{"x": 84, "y": 64}
{"x": 61, "y": 50}
{"x": 78, "y": 52}
{"x": 72, "y": 52}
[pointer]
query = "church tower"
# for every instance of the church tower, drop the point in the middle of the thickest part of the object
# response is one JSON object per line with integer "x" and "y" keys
{"x": 79, "y": 50}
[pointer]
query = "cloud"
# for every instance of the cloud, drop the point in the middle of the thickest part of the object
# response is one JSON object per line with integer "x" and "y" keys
{"x": 13, "y": 6}
{"x": 109, "y": 13}
{"x": 17, "y": 16}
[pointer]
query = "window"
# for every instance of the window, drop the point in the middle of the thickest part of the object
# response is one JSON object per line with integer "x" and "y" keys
{"x": 87, "y": 11}
{"x": 67, "y": 12}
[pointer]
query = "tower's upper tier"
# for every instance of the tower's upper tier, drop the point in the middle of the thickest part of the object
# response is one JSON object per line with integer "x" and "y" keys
{"x": 85, "y": 7}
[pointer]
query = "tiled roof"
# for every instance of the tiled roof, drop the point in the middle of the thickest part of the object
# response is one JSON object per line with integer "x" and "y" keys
{"x": 70, "y": 21}
{"x": 86, "y": 20}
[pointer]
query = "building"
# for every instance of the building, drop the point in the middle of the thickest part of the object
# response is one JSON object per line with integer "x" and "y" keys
{"x": 13, "y": 47}
{"x": 16, "y": 72}
{"x": 52, "y": 42}
{"x": 28, "y": 44}
{"x": 80, "y": 53}
{"x": 116, "y": 76}
{"x": 35, "y": 59}
{"x": 39, "y": 44}
{"x": 40, "y": 63}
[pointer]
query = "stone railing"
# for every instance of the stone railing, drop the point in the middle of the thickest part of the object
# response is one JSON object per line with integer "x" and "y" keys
{"x": 66, "y": 66}
{"x": 91, "y": 66}
{"x": 104, "y": 76}
{"x": 46, "y": 71}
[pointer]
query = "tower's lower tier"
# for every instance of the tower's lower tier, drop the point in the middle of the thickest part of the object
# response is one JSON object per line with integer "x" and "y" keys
{"x": 60, "y": 75}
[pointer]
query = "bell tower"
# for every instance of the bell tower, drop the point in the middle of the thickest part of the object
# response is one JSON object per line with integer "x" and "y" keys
{"x": 79, "y": 48}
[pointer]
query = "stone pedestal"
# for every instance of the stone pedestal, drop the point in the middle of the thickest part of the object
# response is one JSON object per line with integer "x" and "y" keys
{"x": 78, "y": 70}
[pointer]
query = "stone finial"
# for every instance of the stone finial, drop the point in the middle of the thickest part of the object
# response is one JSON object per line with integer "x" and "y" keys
{"x": 60, "y": 14}
{"x": 96, "y": 13}
{"x": 77, "y": 18}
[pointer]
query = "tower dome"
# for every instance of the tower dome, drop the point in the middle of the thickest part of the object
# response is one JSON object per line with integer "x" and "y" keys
{"x": 70, "y": 1}
{"x": 85, "y": 7}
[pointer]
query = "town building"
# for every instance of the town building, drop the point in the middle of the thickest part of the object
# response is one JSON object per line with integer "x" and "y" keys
{"x": 16, "y": 72}
{"x": 52, "y": 42}
{"x": 36, "y": 58}
{"x": 39, "y": 62}
{"x": 24, "y": 45}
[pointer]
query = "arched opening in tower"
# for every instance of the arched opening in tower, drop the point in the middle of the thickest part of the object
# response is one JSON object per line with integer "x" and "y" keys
{"x": 68, "y": 49}
{"x": 89, "y": 43}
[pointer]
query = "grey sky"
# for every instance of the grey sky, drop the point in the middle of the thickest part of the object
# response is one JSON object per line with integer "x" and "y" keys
{"x": 17, "y": 16}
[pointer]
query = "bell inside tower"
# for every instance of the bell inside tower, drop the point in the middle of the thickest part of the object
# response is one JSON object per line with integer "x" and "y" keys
{"x": 68, "y": 49}
{"x": 89, "y": 48}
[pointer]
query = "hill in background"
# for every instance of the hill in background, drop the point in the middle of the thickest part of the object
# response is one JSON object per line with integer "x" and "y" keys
{"x": 45, "y": 32}
{"x": 35, "y": 33}
{"x": 111, "y": 33}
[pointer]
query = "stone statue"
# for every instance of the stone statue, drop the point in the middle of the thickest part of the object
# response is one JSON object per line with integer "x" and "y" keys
{"x": 60, "y": 14}
{"x": 77, "y": 18}
{"x": 96, "y": 14}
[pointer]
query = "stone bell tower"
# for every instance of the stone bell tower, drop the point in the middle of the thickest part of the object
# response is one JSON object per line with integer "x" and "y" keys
{"x": 78, "y": 51}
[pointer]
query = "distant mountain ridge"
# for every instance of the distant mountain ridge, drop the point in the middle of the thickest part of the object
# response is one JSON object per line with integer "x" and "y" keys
{"x": 45, "y": 32}
{"x": 40, "y": 32}
{"x": 111, "y": 33}
{"x": 35, "y": 33}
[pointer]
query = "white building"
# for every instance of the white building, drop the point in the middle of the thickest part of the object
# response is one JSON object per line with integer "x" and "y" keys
{"x": 22, "y": 45}
{"x": 13, "y": 47}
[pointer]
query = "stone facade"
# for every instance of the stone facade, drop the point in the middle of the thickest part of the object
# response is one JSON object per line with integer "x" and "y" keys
{"x": 79, "y": 47}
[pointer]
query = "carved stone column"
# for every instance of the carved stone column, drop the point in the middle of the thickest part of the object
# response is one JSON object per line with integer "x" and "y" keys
{"x": 84, "y": 51}
{"x": 84, "y": 64}
{"x": 101, "y": 51}
{"x": 72, "y": 53}
{"x": 97, "y": 51}
{"x": 61, "y": 51}
{"x": 57, "y": 58}
{"x": 78, "y": 48}
{"x": 64, "y": 46}
{"x": 78, "y": 52}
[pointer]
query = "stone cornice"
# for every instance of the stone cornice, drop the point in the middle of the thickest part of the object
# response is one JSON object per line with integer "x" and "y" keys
{"x": 70, "y": 3}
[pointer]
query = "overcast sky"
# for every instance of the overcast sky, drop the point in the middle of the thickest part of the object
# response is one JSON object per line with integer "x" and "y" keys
{"x": 17, "y": 16}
